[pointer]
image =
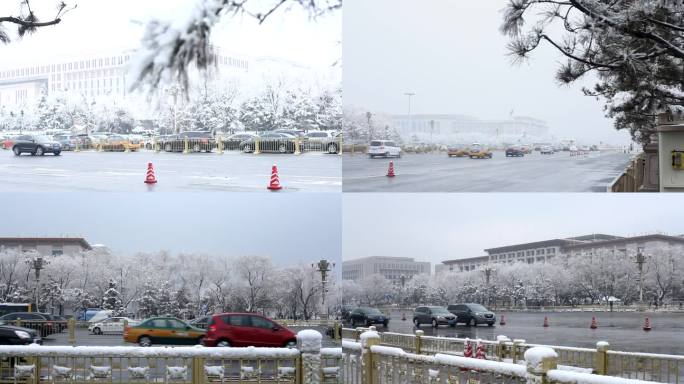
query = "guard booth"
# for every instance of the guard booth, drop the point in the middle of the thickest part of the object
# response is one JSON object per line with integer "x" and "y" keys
{"x": 671, "y": 152}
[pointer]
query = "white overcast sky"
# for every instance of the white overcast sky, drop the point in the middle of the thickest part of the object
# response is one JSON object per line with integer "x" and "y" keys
{"x": 98, "y": 26}
{"x": 435, "y": 227}
{"x": 291, "y": 228}
{"x": 452, "y": 55}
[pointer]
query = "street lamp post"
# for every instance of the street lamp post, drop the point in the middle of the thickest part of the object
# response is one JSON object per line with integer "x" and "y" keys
{"x": 640, "y": 260}
{"x": 488, "y": 272}
{"x": 38, "y": 264}
{"x": 410, "y": 95}
{"x": 21, "y": 122}
{"x": 173, "y": 91}
{"x": 370, "y": 126}
{"x": 324, "y": 266}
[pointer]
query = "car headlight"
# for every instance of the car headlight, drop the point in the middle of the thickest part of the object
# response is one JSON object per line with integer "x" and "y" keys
{"x": 23, "y": 335}
{"x": 478, "y": 314}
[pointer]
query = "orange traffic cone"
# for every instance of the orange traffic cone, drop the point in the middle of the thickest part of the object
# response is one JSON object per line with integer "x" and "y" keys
{"x": 150, "y": 179}
{"x": 647, "y": 325}
{"x": 390, "y": 171}
{"x": 502, "y": 321}
{"x": 593, "y": 323}
{"x": 275, "y": 182}
{"x": 546, "y": 322}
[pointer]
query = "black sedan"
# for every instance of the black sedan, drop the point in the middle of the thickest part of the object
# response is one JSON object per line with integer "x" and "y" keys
{"x": 514, "y": 152}
{"x": 367, "y": 316}
{"x": 198, "y": 141}
{"x": 36, "y": 145}
{"x": 270, "y": 142}
{"x": 233, "y": 141}
{"x": 11, "y": 335}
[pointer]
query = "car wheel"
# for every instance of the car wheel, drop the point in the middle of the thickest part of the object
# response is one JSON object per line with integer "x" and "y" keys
{"x": 223, "y": 343}
{"x": 97, "y": 331}
{"x": 57, "y": 153}
{"x": 332, "y": 148}
{"x": 473, "y": 322}
{"x": 168, "y": 147}
{"x": 353, "y": 323}
{"x": 247, "y": 148}
{"x": 453, "y": 325}
{"x": 40, "y": 151}
{"x": 16, "y": 151}
{"x": 490, "y": 324}
{"x": 416, "y": 323}
{"x": 387, "y": 154}
{"x": 435, "y": 324}
{"x": 145, "y": 341}
{"x": 200, "y": 340}
{"x": 196, "y": 148}
{"x": 282, "y": 148}
{"x": 371, "y": 156}
{"x": 290, "y": 344}
{"x": 385, "y": 324}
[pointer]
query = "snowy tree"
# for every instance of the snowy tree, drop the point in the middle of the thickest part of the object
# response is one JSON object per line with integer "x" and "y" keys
{"x": 112, "y": 300}
{"x": 299, "y": 110}
{"x": 255, "y": 272}
{"x": 27, "y": 21}
{"x": 329, "y": 110}
{"x": 636, "y": 49}
{"x": 169, "y": 49}
{"x": 375, "y": 290}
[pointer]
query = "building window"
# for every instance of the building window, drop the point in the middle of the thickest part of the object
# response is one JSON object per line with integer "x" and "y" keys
{"x": 57, "y": 250}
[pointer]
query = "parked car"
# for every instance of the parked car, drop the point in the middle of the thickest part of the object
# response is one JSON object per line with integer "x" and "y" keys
{"x": 367, "y": 316}
{"x": 291, "y": 132}
{"x": 514, "y": 151}
{"x": 38, "y": 321}
{"x": 546, "y": 150}
{"x": 11, "y": 335}
{"x": 198, "y": 141}
{"x": 384, "y": 148}
{"x": 433, "y": 315}
{"x": 277, "y": 142}
{"x": 457, "y": 151}
{"x": 67, "y": 141}
{"x": 526, "y": 149}
{"x": 119, "y": 143}
{"x": 201, "y": 322}
{"x": 323, "y": 140}
{"x": 247, "y": 329}
{"x": 110, "y": 325}
{"x": 233, "y": 141}
{"x": 472, "y": 314}
{"x": 477, "y": 151}
{"x": 36, "y": 145}
{"x": 163, "y": 330}
{"x": 345, "y": 312}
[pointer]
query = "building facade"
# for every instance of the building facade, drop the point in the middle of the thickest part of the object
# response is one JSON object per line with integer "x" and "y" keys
{"x": 542, "y": 251}
{"x": 45, "y": 246}
{"x": 392, "y": 268}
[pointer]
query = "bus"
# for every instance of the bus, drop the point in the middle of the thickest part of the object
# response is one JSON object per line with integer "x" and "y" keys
{"x": 6, "y": 308}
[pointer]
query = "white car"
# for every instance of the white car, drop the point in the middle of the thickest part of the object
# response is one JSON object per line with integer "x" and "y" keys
{"x": 384, "y": 148}
{"x": 546, "y": 150}
{"x": 110, "y": 325}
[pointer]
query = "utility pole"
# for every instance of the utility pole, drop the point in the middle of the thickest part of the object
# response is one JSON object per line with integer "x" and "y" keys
{"x": 173, "y": 91}
{"x": 38, "y": 264}
{"x": 370, "y": 126}
{"x": 640, "y": 260}
{"x": 432, "y": 130}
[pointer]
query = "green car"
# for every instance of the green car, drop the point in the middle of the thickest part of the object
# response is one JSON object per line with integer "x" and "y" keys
{"x": 164, "y": 330}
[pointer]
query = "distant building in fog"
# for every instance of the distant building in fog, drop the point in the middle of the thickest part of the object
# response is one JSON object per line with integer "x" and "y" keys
{"x": 392, "y": 268}
{"x": 45, "y": 246}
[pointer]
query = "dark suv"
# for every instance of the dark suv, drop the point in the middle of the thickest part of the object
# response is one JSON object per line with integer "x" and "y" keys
{"x": 433, "y": 315}
{"x": 36, "y": 145}
{"x": 472, "y": 314}
{"x": 41, "y": 322}
{"x": 11, "y": 335}
{"x": 367, "y": 316}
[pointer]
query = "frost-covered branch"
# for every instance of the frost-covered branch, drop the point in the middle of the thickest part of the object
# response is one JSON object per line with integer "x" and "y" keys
{"x": 27, "y": 21}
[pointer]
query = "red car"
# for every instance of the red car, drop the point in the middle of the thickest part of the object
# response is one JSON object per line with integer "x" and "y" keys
{"x": 245, "y": 330}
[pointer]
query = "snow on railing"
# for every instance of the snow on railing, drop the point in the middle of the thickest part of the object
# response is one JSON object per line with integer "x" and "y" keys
{"x": 309, "y": 363}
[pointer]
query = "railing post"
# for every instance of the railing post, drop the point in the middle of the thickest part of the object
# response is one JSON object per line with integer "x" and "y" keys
{"x": 602, "y": 358}
{"x": 76, "y": 149}
{"x": 309, "y": 343}
{"x": 337, "y": 331}
{"x": 516, "y": 348}
{"x": 540, "y": 360}
{"x": 219, "y": 144}
{"x": 418, "y": 341}
{"x": 127, "y": 146}
{"x": 501, "y": 347}
{"x": 256, "y": 146}
{"x": 368, "y": 339}
{"x": 197, "y": 370}
{"x": 156, "y": 145}
{"x": 71, "y": 327}
{"x": 17, "y": 322}
{"x": 186, "y": 145}
{"x": 339, "y": 146}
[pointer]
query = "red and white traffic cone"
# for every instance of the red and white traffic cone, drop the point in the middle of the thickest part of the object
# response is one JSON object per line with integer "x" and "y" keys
{"x": 647, "y": 325}
{"x": 274, "y": 185}
{"x": 150, "y": 179}
{"x": 390, "y": 171}
{"x": 546, "y": 322}
{"x": 593, "y": 325}
{"x": 502, "y": 321}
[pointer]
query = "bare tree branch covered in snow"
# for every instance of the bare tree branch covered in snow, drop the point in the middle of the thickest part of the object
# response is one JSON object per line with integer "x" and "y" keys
{"x": 169, "y": 49}
{"x": 28, "y": 22}
{"x": 636, "y": 49}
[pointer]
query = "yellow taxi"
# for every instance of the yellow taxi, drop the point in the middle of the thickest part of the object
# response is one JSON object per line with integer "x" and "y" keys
{"x": 457, "y": 150}
{"x": 119, "y": 143}
{"x": 163, "y": 330}
{"x": 477, "y": 151}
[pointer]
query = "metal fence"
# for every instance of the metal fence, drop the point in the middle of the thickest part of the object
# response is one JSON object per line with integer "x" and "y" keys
{"x": 632, "y": 178}
{"x": 369, "y": 362}
{"x": 38, "y": 364}
{"x": 599, "y": 360}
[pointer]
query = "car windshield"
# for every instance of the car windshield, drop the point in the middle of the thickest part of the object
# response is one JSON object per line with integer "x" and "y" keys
{"x": 439, "y": 311}
{"x": 477, "y": 308}
{"x": 372, "y": 311}
{"x": 376, "y": 143}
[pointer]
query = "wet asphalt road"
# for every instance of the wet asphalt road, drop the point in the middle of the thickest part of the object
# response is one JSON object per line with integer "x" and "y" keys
{"x": 437, "y": 172}
{"x": 623, "y": 330}
{"x": 125, "y": 172}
